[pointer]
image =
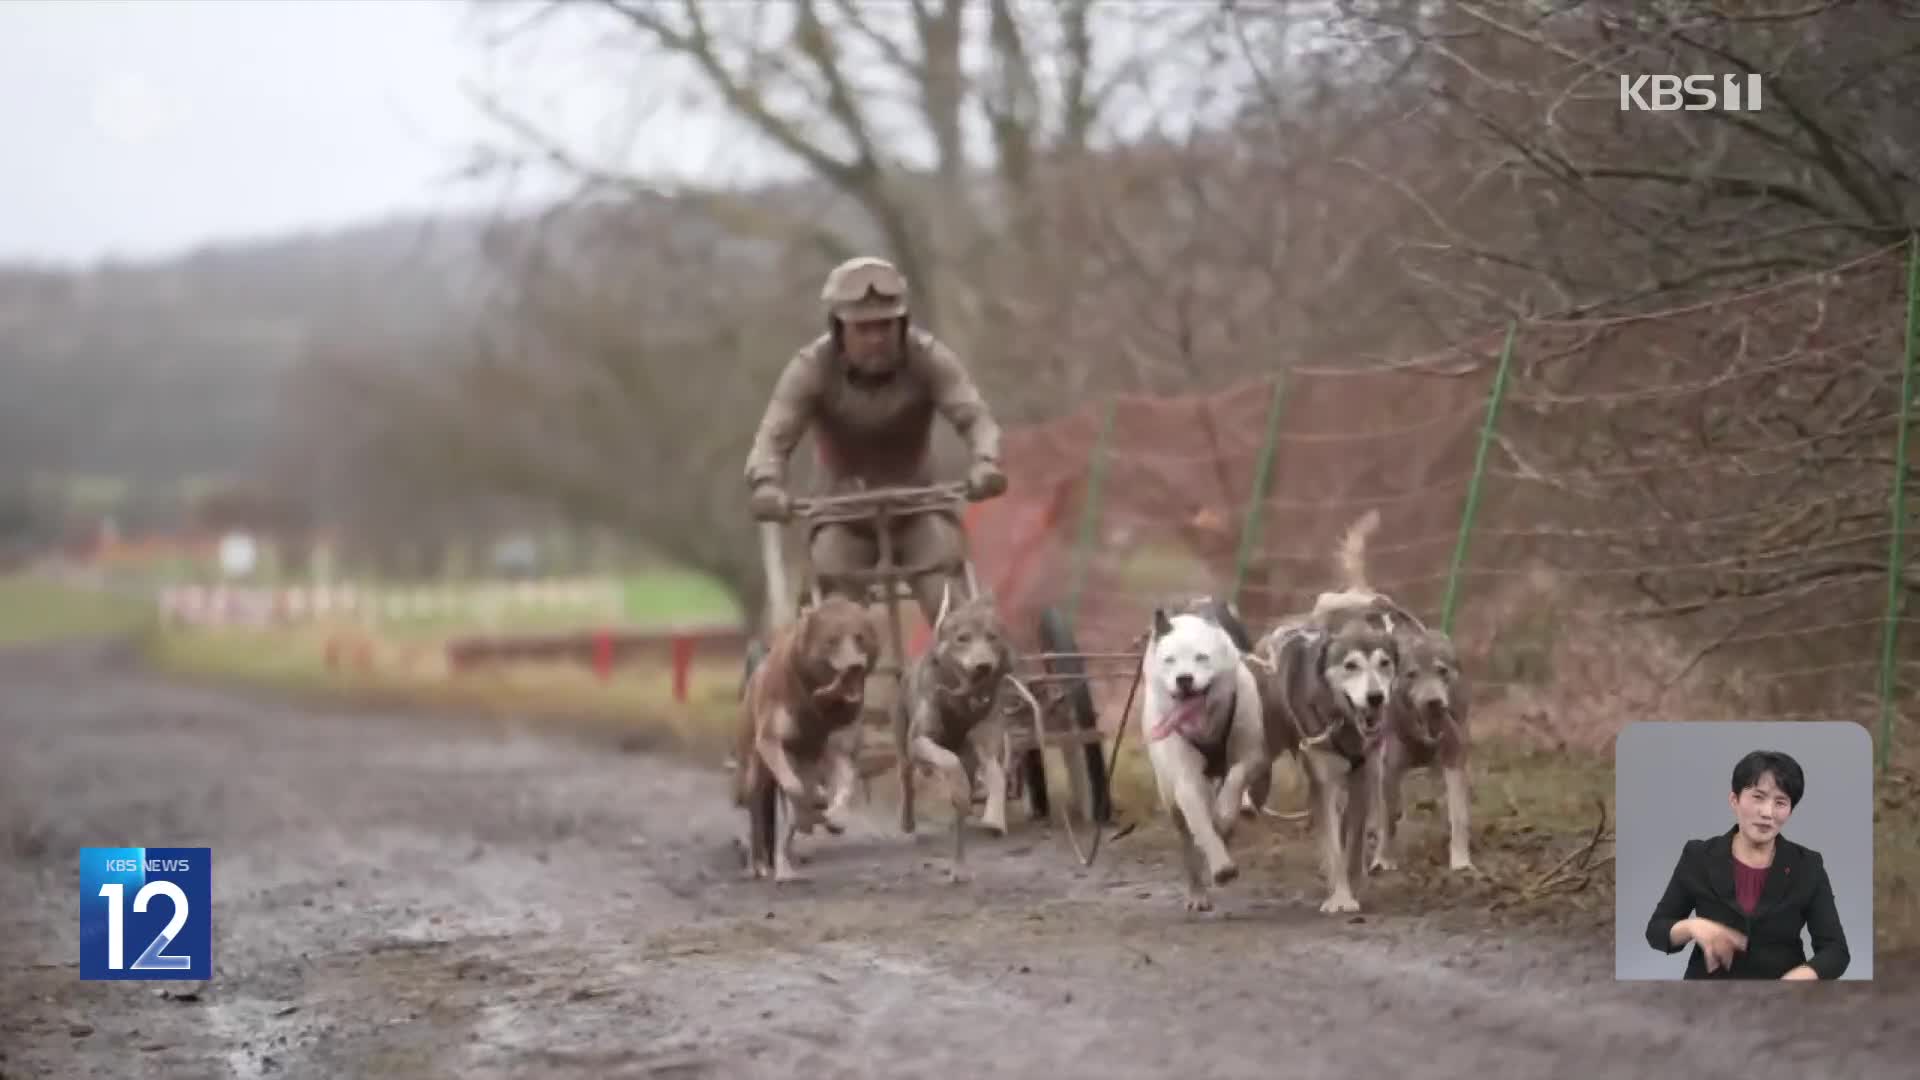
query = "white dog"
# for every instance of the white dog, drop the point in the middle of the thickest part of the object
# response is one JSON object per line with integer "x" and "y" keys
{"x": 1201, "y": 719}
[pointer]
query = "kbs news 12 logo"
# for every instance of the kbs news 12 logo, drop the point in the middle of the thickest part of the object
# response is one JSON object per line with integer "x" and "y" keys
{"x": 1693, "y": 93}
{"x": 146, "y": 913}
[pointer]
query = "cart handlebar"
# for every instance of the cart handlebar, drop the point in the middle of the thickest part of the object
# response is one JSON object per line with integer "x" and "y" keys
{"x": 877, "y": 502}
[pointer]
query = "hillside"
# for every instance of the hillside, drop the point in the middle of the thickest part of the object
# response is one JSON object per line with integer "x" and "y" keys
{"x": 161, "y": 371}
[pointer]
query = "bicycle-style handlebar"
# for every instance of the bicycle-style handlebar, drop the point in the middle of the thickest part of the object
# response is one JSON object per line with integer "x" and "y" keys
{"x": 892, "y": 501}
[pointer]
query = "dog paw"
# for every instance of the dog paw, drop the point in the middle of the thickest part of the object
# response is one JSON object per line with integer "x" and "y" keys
{"x": 790, "y": 877}
{"x": 1381, "y": 864}
{"x": 958, "y": 875}
{"x": 1338, "y": 904}
{"x": 1199, "y": 902}
{"x": 834, "y": 825}
{"x": 997, "y": 828}
{"x": 1463, "y": 866}
{"x": 1225, "y": 872}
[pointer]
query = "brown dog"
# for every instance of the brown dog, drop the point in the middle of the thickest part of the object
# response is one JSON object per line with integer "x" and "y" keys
{"x": 954, "y": 721}
{"x": 810, "y": 687}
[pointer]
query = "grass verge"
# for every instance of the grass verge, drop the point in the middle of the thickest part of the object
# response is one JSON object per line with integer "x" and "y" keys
{"x": 1542, "y": 839}
{"x": 635, "y": 705}
{"x": 36, "y": 610}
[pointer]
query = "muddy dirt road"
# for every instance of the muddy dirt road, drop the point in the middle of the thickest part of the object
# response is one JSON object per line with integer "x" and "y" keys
{"x": 412, "y": 896}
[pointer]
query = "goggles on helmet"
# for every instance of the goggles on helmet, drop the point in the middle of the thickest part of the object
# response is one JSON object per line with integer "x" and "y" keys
{"x": 866, "y": 289}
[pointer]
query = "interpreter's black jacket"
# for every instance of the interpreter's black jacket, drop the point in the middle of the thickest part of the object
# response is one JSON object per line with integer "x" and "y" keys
{"x": 1797, "y": 893}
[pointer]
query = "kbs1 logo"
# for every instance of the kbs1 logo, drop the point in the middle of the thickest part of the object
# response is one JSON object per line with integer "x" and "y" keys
{"x": 1693, "y": 93}
{"x": 146, "y": 913}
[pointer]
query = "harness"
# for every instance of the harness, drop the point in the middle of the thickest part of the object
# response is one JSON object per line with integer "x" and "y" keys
{"x": 1188, "y": 719}
{"x": 1268, "y": 657}
{"x": 824, "y": 716}
{"x": 1367, "y": 743}
{"x": 962, "y": 698}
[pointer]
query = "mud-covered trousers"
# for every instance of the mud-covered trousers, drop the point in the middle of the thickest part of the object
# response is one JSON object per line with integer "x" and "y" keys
{"x": 918, "y": 540}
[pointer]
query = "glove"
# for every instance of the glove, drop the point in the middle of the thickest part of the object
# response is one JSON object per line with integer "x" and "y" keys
{"x": 770, "y": 502}
{"x": 985, "y": 480}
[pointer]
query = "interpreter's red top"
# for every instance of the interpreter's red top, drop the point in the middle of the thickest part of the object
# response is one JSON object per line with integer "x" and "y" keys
{"x": 1747, "y": 883}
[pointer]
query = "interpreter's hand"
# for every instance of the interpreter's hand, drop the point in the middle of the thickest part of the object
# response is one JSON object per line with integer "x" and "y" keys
{"x": 770, "y": 502}
{"x": 1803, "y": 973}
{"x": 985, "y": 480}
{"x": 1718, "y": 942}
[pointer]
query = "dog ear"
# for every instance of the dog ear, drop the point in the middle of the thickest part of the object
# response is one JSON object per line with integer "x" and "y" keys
{"x": 1162, "y": 626}
{"x": 1227, "y": 614}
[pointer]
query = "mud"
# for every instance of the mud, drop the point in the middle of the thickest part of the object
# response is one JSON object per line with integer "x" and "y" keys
{"x": 427, "y": 896}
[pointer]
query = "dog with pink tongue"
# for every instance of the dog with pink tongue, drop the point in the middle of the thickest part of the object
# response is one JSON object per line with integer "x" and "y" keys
{"x": 1202, "y": 722}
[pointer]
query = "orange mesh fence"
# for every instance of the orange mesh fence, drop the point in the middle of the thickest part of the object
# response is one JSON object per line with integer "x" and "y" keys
{"x": 1682, "y": 515}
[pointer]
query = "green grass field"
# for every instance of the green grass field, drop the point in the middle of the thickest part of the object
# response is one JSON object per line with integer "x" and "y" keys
{"x": 37, "y": 610}
{"x": 665, "y": 597}
{"x": 648, "y": 600}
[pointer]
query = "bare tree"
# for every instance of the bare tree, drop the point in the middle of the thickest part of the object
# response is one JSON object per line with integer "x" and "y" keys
{"x": 932, "y": 119}
{"x": 1567, "y": 202}
{"x": 1720, "y": 464}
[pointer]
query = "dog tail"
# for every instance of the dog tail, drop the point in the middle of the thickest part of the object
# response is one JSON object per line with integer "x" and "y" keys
{"x": 1352, "y": 556}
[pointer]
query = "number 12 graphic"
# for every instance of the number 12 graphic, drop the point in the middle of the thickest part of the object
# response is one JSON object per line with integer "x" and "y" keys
{"x": 154, "y": 958}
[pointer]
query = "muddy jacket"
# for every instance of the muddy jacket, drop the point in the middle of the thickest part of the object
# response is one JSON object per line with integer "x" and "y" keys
{"x": 881, "y": 434}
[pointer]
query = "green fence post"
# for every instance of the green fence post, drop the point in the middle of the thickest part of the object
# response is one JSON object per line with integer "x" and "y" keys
{"x": 1089, "y": 514}
{"x": 1896, "y": 556}
{"x": 1494, "y": 397}
{"x": 1257, "y": 498}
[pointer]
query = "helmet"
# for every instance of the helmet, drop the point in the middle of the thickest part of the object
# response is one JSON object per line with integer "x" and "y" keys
{"x": 865, "y": 289}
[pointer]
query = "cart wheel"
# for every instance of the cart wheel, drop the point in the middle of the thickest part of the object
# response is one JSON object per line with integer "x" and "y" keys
{"x": 1056, "y": 636}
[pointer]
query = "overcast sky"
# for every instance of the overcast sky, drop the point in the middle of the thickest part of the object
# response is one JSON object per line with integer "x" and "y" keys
{"x": 140, "y": 128}
{"x": 145, "y": 128}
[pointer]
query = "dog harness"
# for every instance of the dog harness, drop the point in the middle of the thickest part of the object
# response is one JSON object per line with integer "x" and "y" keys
{"x": 1269, "y": 659}
{"x": 962, "y": 700}
{"x": 1188, "y": 719}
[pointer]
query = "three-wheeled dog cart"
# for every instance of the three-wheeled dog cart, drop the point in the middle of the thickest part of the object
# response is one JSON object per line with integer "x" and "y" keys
{"x": 1050, "y": 705}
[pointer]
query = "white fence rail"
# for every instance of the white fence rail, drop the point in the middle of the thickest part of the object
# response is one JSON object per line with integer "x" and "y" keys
{"x": 247, "y": 605}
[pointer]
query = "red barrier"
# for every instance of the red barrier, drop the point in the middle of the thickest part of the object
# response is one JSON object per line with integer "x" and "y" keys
{"x": 682, "y": 666}
{"x": 618, "y": 647}
{"x": 603, "y": 654}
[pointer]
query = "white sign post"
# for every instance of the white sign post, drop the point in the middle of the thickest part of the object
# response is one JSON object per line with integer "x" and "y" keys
{"x": 239, "y": 554}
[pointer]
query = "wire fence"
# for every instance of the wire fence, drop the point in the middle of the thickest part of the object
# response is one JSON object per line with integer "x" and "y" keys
{"x": 1698, "y": 513}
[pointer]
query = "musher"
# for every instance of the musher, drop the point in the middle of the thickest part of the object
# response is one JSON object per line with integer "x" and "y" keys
{"x": 869, "y": 389}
